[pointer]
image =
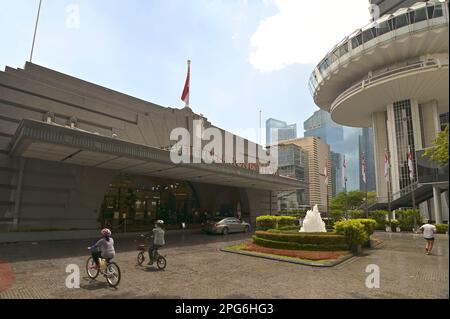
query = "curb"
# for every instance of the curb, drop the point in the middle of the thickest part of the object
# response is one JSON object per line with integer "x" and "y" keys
{"x": 299, "y": 262}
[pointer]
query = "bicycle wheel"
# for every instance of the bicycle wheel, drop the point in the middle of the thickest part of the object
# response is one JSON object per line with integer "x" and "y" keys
{"x": 161, "y": 262}
{"x": 112, "y": 274}
{"x": 140, "y": 258}
{"x": 91, "y": 271}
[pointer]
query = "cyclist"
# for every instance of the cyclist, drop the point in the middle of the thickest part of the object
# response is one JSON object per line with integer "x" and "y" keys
{"x": 158, "y": 240}
{"x": 104, "y": 248}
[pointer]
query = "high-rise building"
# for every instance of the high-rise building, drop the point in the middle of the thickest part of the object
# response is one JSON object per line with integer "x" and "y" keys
{"x": 336, "y": 174}
{"x": 277, "y": 130}
{"x": 293, "y": 163}
{"x": 342, "y": 140}
{"x": 393, "y": 75}
{"x": 318, "y": 158}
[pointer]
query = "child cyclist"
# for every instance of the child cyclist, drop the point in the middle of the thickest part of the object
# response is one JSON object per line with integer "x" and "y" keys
{"x": 104, "y": 248}
{"x": 158, "y": 240}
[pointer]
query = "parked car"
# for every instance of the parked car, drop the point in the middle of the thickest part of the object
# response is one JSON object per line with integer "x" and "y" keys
{"x": 225, "y": 226}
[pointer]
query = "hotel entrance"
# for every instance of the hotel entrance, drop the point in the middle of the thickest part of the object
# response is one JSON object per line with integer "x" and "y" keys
{"x": 134, "y": 203}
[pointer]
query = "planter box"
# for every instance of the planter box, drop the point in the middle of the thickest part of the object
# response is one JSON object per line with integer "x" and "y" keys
{"x": 356, "y": 249}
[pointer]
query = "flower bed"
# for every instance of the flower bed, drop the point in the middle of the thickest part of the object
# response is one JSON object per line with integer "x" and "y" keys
{"x": 310, "y": 255}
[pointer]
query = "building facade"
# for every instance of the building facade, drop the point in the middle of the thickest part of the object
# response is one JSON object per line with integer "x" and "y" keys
{"x": 75, "y": 155}
{"x": 342, "y": 140}
{"x": 293, "y": 163}
{"x": 318, "y": 158}
{"x": 392, "y": 75}
{"x": 277, "y": 130}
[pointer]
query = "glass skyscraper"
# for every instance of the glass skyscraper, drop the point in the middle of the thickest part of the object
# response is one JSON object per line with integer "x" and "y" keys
{"x": 277, "y": 130}
{"x": 344, "y": 141}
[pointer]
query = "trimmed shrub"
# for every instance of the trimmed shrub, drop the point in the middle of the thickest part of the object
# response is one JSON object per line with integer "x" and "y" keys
{"x": 289, "y": 228}
{"x": 357, "y": 214}
{"x": 369, "y": 224}
{"x": 394, "y": 224}
{"x": 302, "y": 238}
{"x": 266, "y": 222}
{"x": 380, "y": 217}
{"x": 441, "y": 228}
{"x": 406, "y": 218}
{"x": 296, "y": 246}
{"x": 337, "y": 214}
{"x": 353, "y": 231}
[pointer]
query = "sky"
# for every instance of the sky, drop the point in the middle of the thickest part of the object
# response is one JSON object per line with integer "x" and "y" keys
{"x": 247, "y": 55}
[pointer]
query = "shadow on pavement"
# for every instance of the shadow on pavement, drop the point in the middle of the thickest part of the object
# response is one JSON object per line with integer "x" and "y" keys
{"x": 44, "y": 250}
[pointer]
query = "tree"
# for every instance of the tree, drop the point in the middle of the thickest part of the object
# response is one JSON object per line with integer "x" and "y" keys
{"x": 439, "y": 151}
{"x": 351, "y": 200}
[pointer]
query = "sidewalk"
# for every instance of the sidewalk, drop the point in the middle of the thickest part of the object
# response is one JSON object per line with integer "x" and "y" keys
{"x": 16, "y": 237}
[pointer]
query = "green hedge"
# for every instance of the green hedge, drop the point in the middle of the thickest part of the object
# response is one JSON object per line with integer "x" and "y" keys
{"x": 441, "y": 228}
{"x": 303, "y": 238}
{"x": 380, "y": 217}
{"x": 357, "y": 214}
{"x": 369, "y": 224}
{"x": 288, "y": 228}
{"x": 266, "y": 222}
{"x": 406, "y": 218}
{"x": 353, "y": 230}
{"x": 296, "y": 246}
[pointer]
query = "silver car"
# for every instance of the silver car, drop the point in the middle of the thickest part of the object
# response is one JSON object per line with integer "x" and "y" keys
{"x": 225, "y": 226}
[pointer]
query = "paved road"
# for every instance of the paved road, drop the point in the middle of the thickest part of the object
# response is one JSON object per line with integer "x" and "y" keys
{"x": 198, "y": 269}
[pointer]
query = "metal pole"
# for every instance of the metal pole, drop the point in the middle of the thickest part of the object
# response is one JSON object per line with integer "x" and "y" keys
{"x": 260, "y": 133}
{"x": 389, "y": 186}
{"x": 35, "y": 30}
{"x": 18, "y": 195}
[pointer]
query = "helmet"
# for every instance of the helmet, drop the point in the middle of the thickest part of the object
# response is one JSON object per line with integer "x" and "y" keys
{"x": 105, "y": 232}
{"x": 160, "y": 222}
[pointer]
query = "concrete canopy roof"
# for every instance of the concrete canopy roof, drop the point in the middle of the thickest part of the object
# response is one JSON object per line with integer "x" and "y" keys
{"x": 52, "y": 142}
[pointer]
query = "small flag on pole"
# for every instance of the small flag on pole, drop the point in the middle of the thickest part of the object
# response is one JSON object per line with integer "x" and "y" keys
{"x": 185, "y": 94}
{"x": 325, "y": 172}
{"x": 344, "y": 171}
{"x": 386, "y": 167}
{"x": 363, "y": 168}
{"x": 410, "y": 164}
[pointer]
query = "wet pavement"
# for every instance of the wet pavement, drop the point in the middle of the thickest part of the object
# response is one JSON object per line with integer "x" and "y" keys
{"x": 196, "y": 268}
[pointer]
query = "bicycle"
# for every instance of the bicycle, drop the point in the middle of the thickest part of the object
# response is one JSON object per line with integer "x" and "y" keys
{"x": 109, "y": 269}
{"x": 161, "y": 261}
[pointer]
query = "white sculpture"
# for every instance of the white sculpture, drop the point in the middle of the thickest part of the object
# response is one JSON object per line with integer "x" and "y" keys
{"x": 313, "y": 222}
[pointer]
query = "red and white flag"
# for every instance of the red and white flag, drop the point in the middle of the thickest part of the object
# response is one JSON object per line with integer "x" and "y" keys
{"x": 363, "y": 168}
{"x": 325, "y": 172}
{"x": 387, "y": 165}
{"x": 410, "y": 164}
{"x": 344, "y": 171}
{"x": 185, "y": 94}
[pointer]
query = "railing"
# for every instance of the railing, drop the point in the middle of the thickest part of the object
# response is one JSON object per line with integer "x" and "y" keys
{"x": 372, "y": 80}
{"x": 428, "y": 13}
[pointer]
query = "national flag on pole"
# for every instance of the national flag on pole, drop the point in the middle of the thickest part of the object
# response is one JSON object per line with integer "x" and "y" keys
{"x": 363, "y": 168}
{"x": 386, "y": 167}
{"x": 410, "y": 164}
{"x": 325, "y": 172}
{"x": 344, "y": 171}
{"x": 185, "y": 94}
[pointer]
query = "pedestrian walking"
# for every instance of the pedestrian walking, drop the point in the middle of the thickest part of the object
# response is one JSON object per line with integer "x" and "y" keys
{"x": 428, "y": 231}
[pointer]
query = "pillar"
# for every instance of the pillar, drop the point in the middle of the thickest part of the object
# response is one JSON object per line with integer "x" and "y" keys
{"x": 437, "y": 204}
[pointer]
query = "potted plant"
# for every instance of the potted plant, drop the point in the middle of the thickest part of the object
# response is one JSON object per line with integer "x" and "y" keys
{"x": 395, "y": 225}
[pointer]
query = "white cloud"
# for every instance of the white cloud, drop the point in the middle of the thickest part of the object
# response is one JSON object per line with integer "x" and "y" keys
{"x": 304, "y": 31}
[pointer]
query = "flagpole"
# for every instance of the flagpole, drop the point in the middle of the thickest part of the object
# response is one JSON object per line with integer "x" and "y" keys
{"x": 389, "y": 185}
{"x": 365, "y": 184}
{"x": 189, "y": 72}
{"x": 326, "y": 185}
{"x": 35, "y": 30}
{"x": 345, "y": 189}
{"x": 411, "y": 178}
